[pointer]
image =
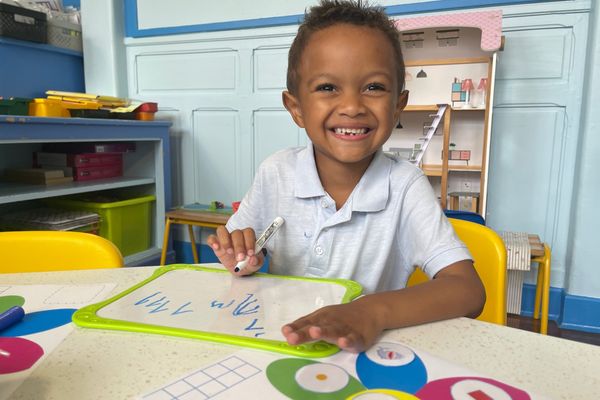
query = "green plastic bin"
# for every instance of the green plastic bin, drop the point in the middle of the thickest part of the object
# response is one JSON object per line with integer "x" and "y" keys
{"x": 126, "y": 223}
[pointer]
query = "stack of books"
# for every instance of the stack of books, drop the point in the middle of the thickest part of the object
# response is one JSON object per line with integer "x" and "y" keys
{"x": 37, "y": 176}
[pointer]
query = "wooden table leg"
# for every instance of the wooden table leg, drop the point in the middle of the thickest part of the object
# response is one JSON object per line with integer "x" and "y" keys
{"x": 193, "y": 244}
{"x": 163, "y": 254}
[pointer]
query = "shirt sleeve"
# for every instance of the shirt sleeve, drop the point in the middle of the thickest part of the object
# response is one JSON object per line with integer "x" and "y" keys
{"x": 426, "y": 233}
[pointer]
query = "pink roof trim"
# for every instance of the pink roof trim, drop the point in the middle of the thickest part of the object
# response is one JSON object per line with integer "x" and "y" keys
{"x": 490, "y": 23}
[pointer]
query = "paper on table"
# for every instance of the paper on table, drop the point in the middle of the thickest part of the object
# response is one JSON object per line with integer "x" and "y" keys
{"x": 40, "y": 299}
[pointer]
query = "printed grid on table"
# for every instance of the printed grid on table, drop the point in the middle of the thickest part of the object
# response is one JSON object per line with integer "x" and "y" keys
{"x": 206, "y": 382}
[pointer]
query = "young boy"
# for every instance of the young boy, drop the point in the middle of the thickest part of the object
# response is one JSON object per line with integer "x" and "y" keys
{"x": 351, "y": 211}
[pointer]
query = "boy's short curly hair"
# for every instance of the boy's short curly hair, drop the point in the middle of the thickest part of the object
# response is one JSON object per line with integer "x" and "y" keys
{"x": 332, "y": 12}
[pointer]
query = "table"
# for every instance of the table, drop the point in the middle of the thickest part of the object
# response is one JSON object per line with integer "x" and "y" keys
{"x": 96, "y": 364}
{"x": 190, "y": 218}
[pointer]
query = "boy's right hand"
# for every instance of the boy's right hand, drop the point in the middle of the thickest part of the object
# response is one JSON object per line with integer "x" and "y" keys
{"x": 234, "y": 247}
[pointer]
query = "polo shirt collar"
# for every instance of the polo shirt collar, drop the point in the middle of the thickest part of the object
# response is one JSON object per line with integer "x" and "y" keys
{"x": 308, "y": 183}
{"x": 371, "y": 193}
{"x": 373, "y": 189}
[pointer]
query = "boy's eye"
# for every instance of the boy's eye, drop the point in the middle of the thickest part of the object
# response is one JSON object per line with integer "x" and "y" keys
{"x": 325, "y": 87}
{"x": 375, "y": 86}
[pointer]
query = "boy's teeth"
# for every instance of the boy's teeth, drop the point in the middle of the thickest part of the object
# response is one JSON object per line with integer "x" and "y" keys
{"x": 344, "y": 131}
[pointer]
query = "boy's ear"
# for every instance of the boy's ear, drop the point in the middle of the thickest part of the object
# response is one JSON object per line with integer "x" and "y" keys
{"x": 292, "y": 104}
{"x": 402, "y": 101}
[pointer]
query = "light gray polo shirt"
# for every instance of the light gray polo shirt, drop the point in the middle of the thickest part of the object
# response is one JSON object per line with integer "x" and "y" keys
{"x": 390, "y": 223}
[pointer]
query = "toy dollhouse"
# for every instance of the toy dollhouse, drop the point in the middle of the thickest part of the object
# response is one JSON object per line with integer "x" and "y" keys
{"x": 450, "y": 61}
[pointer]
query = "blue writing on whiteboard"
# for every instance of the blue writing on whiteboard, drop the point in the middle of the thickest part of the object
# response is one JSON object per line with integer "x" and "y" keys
{"x": 252, "y": 327}
{"x": 241, "y": 309}
{"x": 219, "y": 304}
{"x": 181, "y": 310}
{"x": 160, "y": 303}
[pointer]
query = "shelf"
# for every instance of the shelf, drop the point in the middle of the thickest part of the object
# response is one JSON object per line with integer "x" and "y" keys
{"x": 12, "y": 192}
{"x": 432, "y": 170}
{"x": 436, "y": 169}
{"x": 422, "y": 107}
{"x": 468, "y": 109}
{"x": 464, "y": 168}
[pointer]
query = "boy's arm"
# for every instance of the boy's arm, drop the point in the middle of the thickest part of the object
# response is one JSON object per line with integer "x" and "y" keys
{"x": 454, "y": 292}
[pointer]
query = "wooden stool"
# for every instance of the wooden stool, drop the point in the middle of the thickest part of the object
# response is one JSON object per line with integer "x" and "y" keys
{"x": 191, "y": 219}
{"x": 540, "y": 253}
{"x": 455, "y": 197}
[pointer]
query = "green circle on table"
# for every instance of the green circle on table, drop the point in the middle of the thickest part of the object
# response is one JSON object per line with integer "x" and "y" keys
{"x": 283, "y": 376}
{"x": 7, "y": 302}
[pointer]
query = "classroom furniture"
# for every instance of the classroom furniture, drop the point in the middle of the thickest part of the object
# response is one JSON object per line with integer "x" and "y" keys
{"x": 523, "y": 250}
{"x": 145, "y": 170}
{"x": 489, "y": 256}
{"x": 38, "y": 251}
{"x": 455, "y": 200}
{"x": 190, "y": 218}
{"x": 127, "y": 364}
{"x": 542, "y": 255}
{"x": 465, "y": 215}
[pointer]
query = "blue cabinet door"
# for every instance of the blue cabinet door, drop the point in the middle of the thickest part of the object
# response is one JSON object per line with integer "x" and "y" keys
{"x": 535, "y": 130}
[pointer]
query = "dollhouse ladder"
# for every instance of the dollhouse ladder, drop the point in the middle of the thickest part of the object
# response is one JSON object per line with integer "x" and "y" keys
{"x": 437, "y": 117}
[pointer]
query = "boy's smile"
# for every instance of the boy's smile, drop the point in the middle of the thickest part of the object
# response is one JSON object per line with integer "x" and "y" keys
{"x": 347, "y": 97}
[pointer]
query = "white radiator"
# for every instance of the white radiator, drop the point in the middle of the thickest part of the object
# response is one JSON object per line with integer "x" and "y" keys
{"x": 518, "y": 260}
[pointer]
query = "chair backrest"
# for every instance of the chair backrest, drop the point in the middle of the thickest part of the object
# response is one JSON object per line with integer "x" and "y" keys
{"x": 489, "y": 256}
{"x": 465, "y": 215}
{"x": 39, "y": 251}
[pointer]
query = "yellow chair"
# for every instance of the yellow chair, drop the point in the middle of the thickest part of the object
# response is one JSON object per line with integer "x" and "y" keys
{"x": 40, "y": 251}
{"x": 489, "y": 256}
{"x": 542, "y": 289}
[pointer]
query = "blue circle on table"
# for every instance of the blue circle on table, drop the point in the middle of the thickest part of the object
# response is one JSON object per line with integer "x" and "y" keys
{"x": 408, "y": 377}
{"x": 39, "y": 321}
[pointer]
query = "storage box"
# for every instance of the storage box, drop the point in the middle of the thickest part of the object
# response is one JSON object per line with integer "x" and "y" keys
{"x": 78, "y": 160}
{"x": 22, "y": 23}
{"x": 126, "y": 223}
{"x": 58, "y": 108}
{"x": 102, "y": 172}
{"x": 64, "y": 34}
{"x": 14, "y": 106}
{"x": 101, "y": 113}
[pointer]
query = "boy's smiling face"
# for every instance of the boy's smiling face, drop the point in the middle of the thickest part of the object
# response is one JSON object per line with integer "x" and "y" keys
{"x": 347, "y": 97}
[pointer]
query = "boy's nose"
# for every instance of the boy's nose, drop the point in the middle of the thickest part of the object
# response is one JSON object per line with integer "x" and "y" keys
{"x": 351, "y": 105}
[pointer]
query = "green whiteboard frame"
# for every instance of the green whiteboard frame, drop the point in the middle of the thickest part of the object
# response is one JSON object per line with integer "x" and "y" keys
{"x": 87, "y": 317}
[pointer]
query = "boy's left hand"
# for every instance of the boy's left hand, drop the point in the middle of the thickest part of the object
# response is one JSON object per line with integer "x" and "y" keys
{"x": 349, "y": 326}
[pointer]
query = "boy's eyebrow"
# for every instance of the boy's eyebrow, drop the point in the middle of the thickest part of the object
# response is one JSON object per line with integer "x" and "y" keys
{"x": 327, "y": 76}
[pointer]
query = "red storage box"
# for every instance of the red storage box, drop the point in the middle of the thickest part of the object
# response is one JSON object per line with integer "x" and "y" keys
{"x": 103, "y": 172}
{"x": 78, "y": 160}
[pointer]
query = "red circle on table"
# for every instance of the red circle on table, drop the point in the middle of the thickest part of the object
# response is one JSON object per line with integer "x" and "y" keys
{"x": 23, "y": 354}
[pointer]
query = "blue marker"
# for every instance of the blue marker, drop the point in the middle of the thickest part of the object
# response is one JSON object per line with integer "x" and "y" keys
{"x": 11, "y": 316}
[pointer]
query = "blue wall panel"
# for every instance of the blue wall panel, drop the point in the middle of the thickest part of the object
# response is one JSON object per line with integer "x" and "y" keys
{"x": 29, "y": 69}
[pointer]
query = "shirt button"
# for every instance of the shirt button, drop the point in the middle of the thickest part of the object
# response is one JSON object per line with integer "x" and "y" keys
{"x": 319, "y": 250}
{"x": 324, "y": 203}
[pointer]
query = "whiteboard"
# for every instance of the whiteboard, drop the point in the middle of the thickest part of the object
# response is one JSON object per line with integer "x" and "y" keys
{"x": 212, "y": 304}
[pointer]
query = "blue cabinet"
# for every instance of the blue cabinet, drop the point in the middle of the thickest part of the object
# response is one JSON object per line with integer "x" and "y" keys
{"x": 533, "y": 156}
{"x": 147, "y": 169}
{"x": 29, "y": 69}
